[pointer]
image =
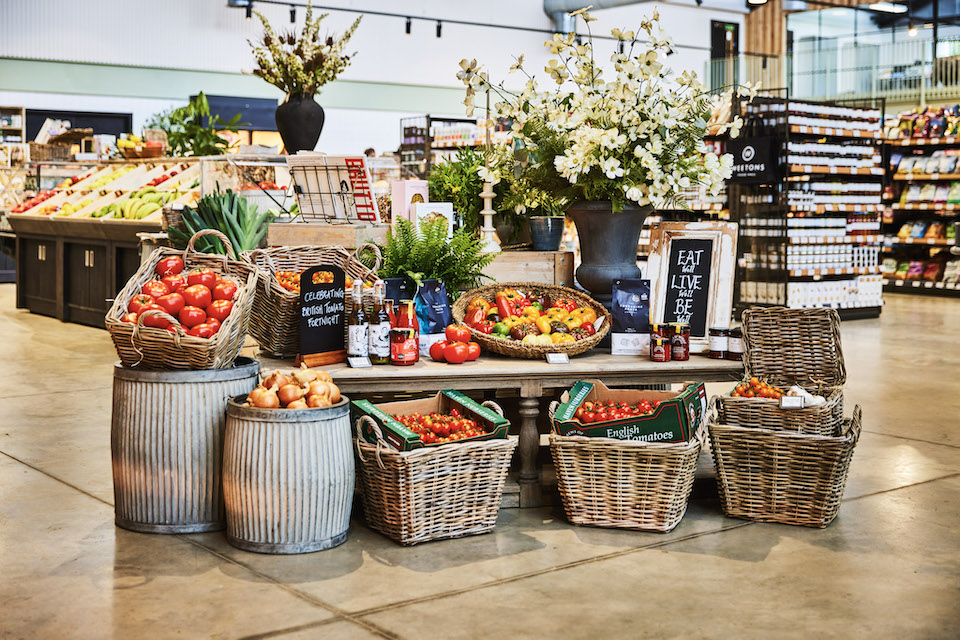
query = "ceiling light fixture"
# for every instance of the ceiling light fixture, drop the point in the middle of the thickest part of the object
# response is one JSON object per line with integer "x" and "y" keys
{"x": 249, "y": 11}
{"x": 756, "y": 3}
{"x": 887, "y": 7}
{"x": 912, "y": 31}
{"x": 408, "y": 26}
{"x": 293, "y": 14}
{"x": 439, "y": 27}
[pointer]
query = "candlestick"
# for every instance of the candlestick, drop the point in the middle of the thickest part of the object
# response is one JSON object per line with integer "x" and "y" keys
{"x": 487, "y": 232}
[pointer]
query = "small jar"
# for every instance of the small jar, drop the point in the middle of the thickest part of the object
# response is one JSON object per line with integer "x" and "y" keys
{"x": 680, "y": 341}
{"x": 659, "y": 330}
{"x": 735, "y": 344}
{"x": 719, "y": 343}
{"x": 660, "y": 349}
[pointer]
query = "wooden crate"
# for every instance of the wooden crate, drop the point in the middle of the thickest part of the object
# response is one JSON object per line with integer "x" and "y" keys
{"x": 287, "y": 234}
{"x": 548, "y": 267}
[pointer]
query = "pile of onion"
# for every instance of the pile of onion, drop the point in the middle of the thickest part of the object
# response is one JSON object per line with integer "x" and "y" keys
{"x": 302, "y": 389}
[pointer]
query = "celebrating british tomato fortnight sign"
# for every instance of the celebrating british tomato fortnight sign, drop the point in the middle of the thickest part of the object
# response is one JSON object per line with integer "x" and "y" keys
{"x": 322, "y": 309}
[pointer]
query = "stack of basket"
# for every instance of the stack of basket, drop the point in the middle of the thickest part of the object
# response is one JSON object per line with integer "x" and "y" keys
{"x": 786, "y": 465}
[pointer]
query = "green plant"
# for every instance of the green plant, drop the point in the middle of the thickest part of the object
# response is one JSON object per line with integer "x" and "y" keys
{"x": 229, "y": 214}
{"x": 301, "y": 65}
{"x": 191, "y": 131}
{"x": 459, "y": 182}
{"x": 425, "y": 252}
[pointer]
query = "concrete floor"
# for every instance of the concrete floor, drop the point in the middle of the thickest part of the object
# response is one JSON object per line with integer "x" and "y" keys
{"x": 888, "y": 567}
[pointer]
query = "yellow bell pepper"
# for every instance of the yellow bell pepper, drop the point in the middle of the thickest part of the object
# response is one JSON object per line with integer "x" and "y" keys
{"x": 544, "y": 339}
{"x": 510, "y": 321}
{"x": 584, "y": 314}
{"x": 530, "y": 339}
{"x": 531, "y": 312}
{"x": 561, "y": 338}
{"x": 543, "y": 324}
{"x": 556, "y": 313}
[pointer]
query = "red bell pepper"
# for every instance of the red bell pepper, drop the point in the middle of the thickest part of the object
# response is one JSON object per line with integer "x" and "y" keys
{"x": 504, "y": 305}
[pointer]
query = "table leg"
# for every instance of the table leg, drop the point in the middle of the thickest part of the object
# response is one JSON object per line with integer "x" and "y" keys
{"x": 529, "y": 448}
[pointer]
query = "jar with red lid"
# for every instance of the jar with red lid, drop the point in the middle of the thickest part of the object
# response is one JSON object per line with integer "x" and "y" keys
{"x": 679, "y": 341}
{"x": 660, "y": 349}
{"x": 719, "y": 342}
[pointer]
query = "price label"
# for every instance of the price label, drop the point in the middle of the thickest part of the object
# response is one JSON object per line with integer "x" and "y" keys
{"x": 359, "y": 362}
{"x": 791, "y": 402}
{"x": 558, "y": 358}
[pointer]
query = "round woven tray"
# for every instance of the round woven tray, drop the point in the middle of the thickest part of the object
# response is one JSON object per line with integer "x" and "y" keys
{"x": 515, "y": 348}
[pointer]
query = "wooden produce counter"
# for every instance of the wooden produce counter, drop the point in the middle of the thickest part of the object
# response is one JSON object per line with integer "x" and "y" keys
{"x": 532, "y": 379}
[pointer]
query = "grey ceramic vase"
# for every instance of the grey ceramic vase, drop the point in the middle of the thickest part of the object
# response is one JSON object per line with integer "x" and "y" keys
{"x": 546, "y": 233}
{"x": 299, "y": 121}
{"x": 608, "y": 245}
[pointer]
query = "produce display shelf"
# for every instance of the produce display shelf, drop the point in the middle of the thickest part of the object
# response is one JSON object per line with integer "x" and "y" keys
{"x": 923, "y": 287}
{"x": 854, "y": 171}
{"x": 839, "y": 240}
{"x": 858, "y": 271}
{"x": 826, "y": 131}
{"x": 933, "y": 242}
{"x": 910, "y": 177}
{"x": 920, "y": 142}
{"x": 927, "y": 206}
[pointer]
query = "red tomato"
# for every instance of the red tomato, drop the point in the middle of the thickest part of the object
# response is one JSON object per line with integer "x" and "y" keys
{"x": 198, "y": 295}
{"x": 130, "y": 317}
{"x": 436, "y": 350}
{"x": 213, "y": 322}
{"x": 191, "y": 316}
{"x": 206, "y": 277}
{"x": 169, "y": 266}
{"x": 603, "y": 416}
{"x": 203, "y": 330}
{"x": 219, "y": 309}
{"x": 579, "y": 412}
{"x": 588, "y": 416}
{"x": 140, "y": 301}
{"x": 457, "y": 333}
{"x": 155, "y": 288}
{"x": 225, "y": 290}
{"x": 175, "y": 282}
{"x": 473, "y": 351}
{"x": 172, "y": 303}
{"x": 455, "y": 353}
{"x": 154, "y": 321}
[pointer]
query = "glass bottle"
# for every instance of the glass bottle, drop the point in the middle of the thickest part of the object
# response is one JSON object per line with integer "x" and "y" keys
{"x": 358, "y": 329}
{"x": 379, "y": 327}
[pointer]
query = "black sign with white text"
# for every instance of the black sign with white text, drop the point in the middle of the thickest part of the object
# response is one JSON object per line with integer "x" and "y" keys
{"x": 688, "y": 283}
{"x": 754, "y": 160}
{"x": 322, "y": 309}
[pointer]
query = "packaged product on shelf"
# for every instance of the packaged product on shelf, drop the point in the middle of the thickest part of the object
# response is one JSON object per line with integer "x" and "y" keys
{"x": 404, "y": 195}
{"x": 433, "y": 313}
{"x": 630, "y": 332}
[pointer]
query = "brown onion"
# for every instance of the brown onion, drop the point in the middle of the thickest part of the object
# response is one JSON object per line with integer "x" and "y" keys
{"x": 267, "y": 399}
{"x": 334, "y": 393}
{"x": 314, "y": 401}
{"x": 297, "y": 404}
{"x": 276, "y": 378}
{"x": 318, "y": 387}
{"x": 290, "y": 393}
{"x": 304, "y": 376}
{"x": 256, "y": 394}
{"x": 324, "y": 376}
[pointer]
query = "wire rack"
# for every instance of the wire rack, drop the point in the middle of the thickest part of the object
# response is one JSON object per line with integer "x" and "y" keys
{"x": 334, "y": 189}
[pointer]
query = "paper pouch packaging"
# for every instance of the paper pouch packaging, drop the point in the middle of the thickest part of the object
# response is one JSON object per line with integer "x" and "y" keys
{"x": 630, "y": 332}
{"x": 433, "y": 313}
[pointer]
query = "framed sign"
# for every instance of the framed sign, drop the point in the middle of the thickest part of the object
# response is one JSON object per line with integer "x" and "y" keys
{"x": 691, "y": 268}
{"x": 755, "y": 160}
{"x": 322, "y": 316}
{"x": 333, "y": 188}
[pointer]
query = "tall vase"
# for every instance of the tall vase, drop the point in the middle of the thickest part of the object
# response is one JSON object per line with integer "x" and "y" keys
{"x": 608, "y": 245}
{"x": 299, "y": 121}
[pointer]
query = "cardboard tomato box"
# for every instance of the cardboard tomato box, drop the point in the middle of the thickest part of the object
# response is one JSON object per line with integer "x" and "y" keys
{"x": 676, "y": 419}
{"x": 403, "y": 439}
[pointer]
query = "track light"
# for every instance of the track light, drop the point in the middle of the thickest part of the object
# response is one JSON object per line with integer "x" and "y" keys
{"x": 409, "y": 21}
{"x": 249, "y": 11}
{"x": 439, "y": 27}
{"x": 293, "y": 14}
{"x": 756, "y": 3}
{"x": 620, "y": 47}
{"x": 912, "y": 31}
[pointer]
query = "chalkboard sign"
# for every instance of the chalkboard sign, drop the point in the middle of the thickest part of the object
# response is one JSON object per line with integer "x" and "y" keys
{"x": 688, "y": 283}
{"x": 322, "y": 314}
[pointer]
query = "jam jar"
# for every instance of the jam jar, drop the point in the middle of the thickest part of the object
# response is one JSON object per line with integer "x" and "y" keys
{"x": 735, "y": 344}
{"x": 679, "y": 341}
{"x": 660, "y": 349}
{"x": 719, "y": 342}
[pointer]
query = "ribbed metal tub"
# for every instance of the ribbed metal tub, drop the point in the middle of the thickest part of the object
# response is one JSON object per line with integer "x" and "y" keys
{"x": 288, "y": 477}
{"x": 166, "y": 440}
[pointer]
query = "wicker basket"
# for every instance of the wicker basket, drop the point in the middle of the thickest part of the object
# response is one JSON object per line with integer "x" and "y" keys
{"x": 50, "y": 152}
{"x": 275, "y": 319}
{"x": 152, "y": 348}
{"x": 627, "y": 484}
{"x": 516, "y": 349}
{"x": 435, "y": 492}
{"x": 787, "y": 347}
{"x": 778, "y": 476}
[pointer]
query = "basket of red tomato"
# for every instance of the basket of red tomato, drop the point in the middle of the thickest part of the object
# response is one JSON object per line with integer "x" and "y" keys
{"x": 529, "y": 320}
{"x": 183, "y": 310}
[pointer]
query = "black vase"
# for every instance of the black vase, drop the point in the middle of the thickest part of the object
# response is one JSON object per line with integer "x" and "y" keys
{"x": 608, "y": 245}
{"x": 546, "y": 233}
{"x": 299, "y": 121}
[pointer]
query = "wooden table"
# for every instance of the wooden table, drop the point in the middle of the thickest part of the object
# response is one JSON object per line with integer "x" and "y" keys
{"x": 532, "y": 379}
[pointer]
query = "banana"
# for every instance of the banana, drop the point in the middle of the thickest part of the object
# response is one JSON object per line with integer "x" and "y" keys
{"x": 147, "y": 209}
{"x": 132, "y": 211}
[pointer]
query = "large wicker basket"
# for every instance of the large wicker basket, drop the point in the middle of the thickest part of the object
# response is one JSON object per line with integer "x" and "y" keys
{"x": 433, "y": 493}
{"x": 152, "y": 348}
{"x": 787, "y": 347}
{"x": 516, "y": 349}
{"x": 626, "y": 484}
{"x": 275, "y": 319}
{"x": 779, "y": 476}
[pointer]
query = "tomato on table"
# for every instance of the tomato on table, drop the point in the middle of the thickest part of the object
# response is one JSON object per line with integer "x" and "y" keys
{"x": 473, "y": 351}
{"x": 455, "y": 353}
{"x": 457, "y": 333}
{"x": 436, "y": 350}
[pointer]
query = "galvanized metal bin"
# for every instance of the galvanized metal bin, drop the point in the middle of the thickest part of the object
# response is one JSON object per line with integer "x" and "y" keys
{"x": 166, "y": 440}
{"x": 288, "y": 477}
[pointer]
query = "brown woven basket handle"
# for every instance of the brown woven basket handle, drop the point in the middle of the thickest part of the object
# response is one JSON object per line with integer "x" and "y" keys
{"x": 855, "y": 423}
{"x": 712, "y": 414}
{"x": 209, "y": 232}
{"x": 135, "y": 336}
{"x": 355, "y": 256}
{"x": 552, "y": 409}
{"x": 252, "y": 255}
{"x": 376, "y": 430}
{"x": 490, "y": 404}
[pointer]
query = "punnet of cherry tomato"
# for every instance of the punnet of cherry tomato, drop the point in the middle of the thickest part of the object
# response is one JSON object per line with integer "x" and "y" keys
{"x": 531, "y": 317}
{"x": 599, "y": 411}
{"x": 756, "y": 388}
{"x": 290, "y": 280}
{"x": 457, "y": 348}
{"x": 440, "y": 428}
{"x": 200, "y": 300}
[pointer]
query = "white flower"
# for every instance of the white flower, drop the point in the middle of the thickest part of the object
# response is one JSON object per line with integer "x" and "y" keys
{"x": 611, "y": 168}
{"x": 518, "y": 64}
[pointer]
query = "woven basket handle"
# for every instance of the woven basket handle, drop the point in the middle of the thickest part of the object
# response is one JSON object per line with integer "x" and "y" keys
{"x": 135, "y": 336}
{"x": 490, "y": 404}
{"x": 712, "y": 414}
{"x": 209, "y": 232}
{"x": 376, "y": 430}
{"x": 355, "y": 256}
{"x": 855, "y": 423}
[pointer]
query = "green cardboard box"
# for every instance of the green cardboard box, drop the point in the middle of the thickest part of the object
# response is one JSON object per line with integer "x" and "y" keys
{"x": 402, "y": 439}
{"x": 676, "y": 419}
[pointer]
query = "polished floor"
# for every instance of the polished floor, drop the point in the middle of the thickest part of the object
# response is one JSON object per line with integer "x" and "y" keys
{"x": 888, "y": 567}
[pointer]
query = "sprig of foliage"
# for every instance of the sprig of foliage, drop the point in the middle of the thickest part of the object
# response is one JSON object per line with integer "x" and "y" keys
{"x": 459, "y": 182}
{"x": 301, "y": 65}
{"x": 424, "y": 252}
{"x": 191, "y": 131}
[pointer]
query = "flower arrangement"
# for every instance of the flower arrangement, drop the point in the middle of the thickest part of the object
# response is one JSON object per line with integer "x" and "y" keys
{"x": 301, "y": 65}
{"x": 634, "y": 138}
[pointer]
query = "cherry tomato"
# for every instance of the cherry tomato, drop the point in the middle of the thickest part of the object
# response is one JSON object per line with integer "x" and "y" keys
{"x": 203, "y": 276}
{"x": 169, "y": 266}
{"x": 175, "y": 282}
{"x": 140, "y": 301}
{"x": 155, "y": 288}
{"x": 457, "y": 333}
{"x": 602, "y": 416}
{"x": 473, "y": 351}
{"x": 219, "y": 309}
{"x": 588, "y": 416}
{"x": 172, "y": 303}
{"x": 191, "y": 316}
{"x": 198, "y": 295}
{"x": 455, "y": 353}
{"x": 202, "y": 330}
{"x": 225, "y": 290}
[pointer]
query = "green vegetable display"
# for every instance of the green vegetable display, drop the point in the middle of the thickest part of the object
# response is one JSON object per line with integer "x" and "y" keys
{"x": 228, "y": 213}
